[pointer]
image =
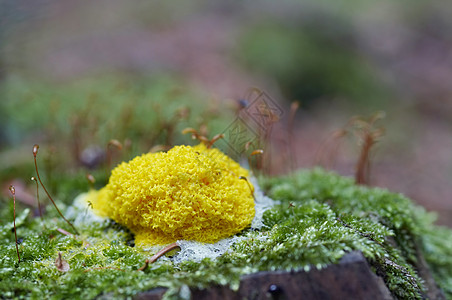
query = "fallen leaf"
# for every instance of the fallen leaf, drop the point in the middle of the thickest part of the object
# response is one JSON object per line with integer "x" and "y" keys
{"x": 61, "y": 264}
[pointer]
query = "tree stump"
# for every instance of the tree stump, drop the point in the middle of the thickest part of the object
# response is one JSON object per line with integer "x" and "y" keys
{"x": 351, "y": 278}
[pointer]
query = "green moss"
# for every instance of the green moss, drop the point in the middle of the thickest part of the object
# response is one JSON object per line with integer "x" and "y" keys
{"x": 388, "y": 220}
{"x": 437, "y": 242}
{"x": 321, "y": 216}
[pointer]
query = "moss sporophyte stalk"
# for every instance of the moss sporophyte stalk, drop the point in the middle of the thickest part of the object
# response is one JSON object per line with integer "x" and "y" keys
{"x": 188, "y": 193}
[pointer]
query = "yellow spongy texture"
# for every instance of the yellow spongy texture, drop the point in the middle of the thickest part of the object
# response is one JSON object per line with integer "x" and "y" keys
{"x": 187, "y": 193}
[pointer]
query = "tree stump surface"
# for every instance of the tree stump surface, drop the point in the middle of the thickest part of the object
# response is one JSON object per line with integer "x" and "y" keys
{"x": 351, "y": 278}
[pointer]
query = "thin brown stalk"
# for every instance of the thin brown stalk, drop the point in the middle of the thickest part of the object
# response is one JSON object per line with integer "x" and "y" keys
{"x": 35, "y": 152}
{"x": 197, "y": 136}
{"x": 214, "y": 139}
{"x": 369, "y": 135}
{"x": 163, "y": 251}
{"x": 37, "y": 197}
{"x": 249, "y": 185}
{"x": 144, "y": 267}
{"x": 13, "y": 192}
{"x": 361, "y": 175}
{"x": 259, "y": 152}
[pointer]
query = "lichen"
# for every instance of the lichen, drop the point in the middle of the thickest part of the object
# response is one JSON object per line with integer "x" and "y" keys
{"x": 187, "y": 193}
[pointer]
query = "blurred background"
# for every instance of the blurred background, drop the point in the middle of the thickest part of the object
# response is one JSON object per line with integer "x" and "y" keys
{"x": 76, "y": 75}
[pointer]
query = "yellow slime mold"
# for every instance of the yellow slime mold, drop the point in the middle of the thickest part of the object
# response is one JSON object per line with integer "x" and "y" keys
{"x": 187, "y": 193}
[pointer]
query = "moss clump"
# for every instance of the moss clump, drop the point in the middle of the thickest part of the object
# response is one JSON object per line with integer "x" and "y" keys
{"x": 391, "y": 222}
{"x": 321, "y": 216}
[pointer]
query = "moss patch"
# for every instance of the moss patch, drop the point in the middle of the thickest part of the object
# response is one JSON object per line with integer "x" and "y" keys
{"x": 320, "y": 217}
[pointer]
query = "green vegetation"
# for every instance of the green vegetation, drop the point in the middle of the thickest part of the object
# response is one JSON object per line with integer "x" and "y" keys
{"x": 70, "y": 117}
{"x": 320, "y": 217}
{"x": 336, "y": 59}
{"x": 391, "y": 223}
{"x": 313, "y": 65}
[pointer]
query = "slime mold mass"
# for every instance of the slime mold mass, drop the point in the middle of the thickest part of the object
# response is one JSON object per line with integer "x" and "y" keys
{"x": 187, "y": 193}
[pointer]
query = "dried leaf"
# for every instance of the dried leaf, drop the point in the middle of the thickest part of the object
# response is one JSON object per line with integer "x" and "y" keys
{"x": 61, "y": 264}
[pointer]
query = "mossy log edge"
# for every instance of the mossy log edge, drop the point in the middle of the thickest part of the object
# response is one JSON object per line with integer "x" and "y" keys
{"x": 351, "y": 278}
